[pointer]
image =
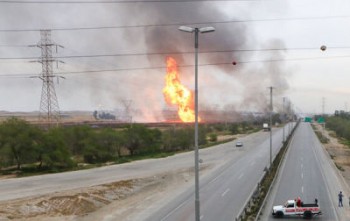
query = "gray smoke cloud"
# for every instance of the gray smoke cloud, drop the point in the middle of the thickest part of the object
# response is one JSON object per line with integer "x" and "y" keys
{"x": 233, "y": 36}
{"x": 272, "y": 73}
{"x": 169, "y": 39}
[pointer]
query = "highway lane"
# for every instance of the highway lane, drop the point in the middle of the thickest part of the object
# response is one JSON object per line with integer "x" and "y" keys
{"x": 224, "y": 192}
{"x": 307, "y": 172}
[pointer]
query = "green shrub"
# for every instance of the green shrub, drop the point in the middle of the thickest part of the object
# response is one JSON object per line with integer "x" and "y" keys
{"x": 213, "y": 137}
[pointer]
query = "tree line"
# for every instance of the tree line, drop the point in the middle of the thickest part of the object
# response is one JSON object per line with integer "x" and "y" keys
{"x": 340, "y": 123}
{"x": 62, "y": 148}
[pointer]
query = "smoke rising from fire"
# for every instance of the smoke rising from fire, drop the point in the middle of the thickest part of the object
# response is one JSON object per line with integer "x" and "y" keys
{"x": 218, "y": 84}
{"x": 252, "y": 80}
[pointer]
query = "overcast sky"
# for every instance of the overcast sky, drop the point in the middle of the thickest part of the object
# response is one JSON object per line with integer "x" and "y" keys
{"x": 298, "y": 70}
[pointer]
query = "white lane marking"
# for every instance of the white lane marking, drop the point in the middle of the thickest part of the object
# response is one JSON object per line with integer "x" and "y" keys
{"x": 240, "y": 176}
{"x": 216, "y": 178}
{"x": 201, "y": 217}
{"x": 226, "y": 191}
{"x": 301, "y": 166}
{"x": 302, "y": 189}
{"x": 212, "y": 181}
{"x": 302, "y": 175}
{"x": 171, "y": 212}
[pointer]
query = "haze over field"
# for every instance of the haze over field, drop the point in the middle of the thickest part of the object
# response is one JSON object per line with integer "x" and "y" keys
{"x": 142, "y": 34}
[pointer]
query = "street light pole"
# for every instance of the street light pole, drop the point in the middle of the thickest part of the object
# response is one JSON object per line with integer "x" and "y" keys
{"x": 196, "y": 155}
{"x": 284, "y": 121}
{"x": 271, "y": 126}
{"x": 196, "y": 152}
{"x": 289, "y": 116}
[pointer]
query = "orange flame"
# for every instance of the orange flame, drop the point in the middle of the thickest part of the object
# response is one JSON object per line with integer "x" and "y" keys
{"x": 177, "y": 94}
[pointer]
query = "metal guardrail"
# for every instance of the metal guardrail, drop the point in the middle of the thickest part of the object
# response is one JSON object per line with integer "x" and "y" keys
{"x": 255, "y": 192}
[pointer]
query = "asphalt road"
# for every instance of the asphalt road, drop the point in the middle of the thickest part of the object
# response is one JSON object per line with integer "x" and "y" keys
{"x": 224, "y": 192}
{"x": 307, "y": 172}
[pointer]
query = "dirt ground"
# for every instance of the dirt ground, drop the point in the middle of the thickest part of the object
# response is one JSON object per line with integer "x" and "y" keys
{"x": 339, "y": 152}
{"x": 115, "y": 201}
{"x": 71, "y": 203}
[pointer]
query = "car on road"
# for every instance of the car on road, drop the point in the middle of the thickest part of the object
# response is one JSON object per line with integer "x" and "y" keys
{"x": 291, "y": 208}
{"x": 239, "y": 144}
{"x": 266, "y": 127}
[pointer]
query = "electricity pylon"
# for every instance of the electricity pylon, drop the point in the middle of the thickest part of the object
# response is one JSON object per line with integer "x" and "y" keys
{"x": 49, "y": 109}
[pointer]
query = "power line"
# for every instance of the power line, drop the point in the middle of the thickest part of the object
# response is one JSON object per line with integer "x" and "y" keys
{"x": 13, "y": 46}
{"x": 176, "y": 24}
{"x": 28, "y": 75}
{"x": 119, "y": 1}
{"x": 165, "y": 53}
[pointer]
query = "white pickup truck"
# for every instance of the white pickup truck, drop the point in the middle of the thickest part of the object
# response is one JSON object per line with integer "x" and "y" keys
{"x": 290, "y": 208}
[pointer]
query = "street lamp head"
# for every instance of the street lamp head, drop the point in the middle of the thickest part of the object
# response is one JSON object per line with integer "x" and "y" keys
{"x": 206, "y": 29}
{"x": 186, "y": 29}
{"x": 201, "y": 30}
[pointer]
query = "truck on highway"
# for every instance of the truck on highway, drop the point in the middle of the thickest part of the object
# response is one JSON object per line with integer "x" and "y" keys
{"x": 266, "y": 127}
{"x": 292, "y": 208}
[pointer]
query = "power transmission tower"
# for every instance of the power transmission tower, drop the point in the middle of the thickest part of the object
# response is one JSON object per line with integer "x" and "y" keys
{"x": 49, "y": 109}
{"x": 127, "y": 110}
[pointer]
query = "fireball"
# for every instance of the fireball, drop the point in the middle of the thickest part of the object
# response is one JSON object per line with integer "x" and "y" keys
{"x": 177, "y": 94}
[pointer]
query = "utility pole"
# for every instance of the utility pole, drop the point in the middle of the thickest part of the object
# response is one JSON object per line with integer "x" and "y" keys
{"x": 49, "y": 110}
{"x": 284, "y": 120}
{"x": 271, "y": 109}
{"x": 323, "y": 105}
{"x": 346, "y": 107}
{"x": 290, "y": 117}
